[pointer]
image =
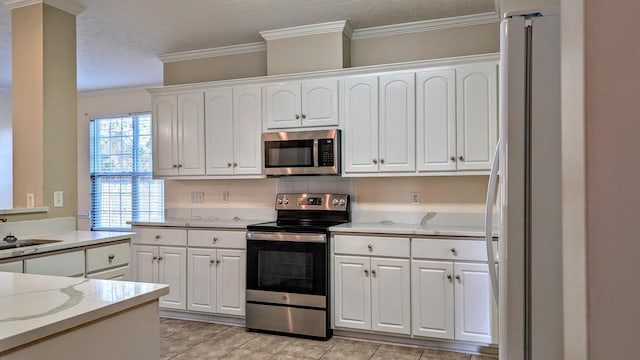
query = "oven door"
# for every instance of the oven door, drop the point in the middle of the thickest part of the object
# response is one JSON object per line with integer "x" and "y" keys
{"x": 292, "y": 263}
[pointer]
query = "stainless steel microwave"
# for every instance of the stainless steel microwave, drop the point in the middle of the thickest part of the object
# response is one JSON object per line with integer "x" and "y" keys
{"x": 301, "y": 153}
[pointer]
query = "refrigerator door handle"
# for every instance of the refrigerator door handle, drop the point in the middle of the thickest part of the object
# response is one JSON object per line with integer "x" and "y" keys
{"x": 488, "y": 222}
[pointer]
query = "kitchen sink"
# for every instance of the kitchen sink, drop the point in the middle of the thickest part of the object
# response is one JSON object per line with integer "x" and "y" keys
{"x": 22, "y": 243}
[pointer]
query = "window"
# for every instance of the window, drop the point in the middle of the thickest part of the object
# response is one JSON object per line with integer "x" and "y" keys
{"x": 121, "y": 185}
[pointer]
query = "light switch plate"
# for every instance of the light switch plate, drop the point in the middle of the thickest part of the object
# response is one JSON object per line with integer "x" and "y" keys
{"x": 197, "y": 197}
{"x": 58, "y": 199}
{"x": 415, "y": 198}
{"x": 225, "y": 197}
{"x": 31, "y": 200}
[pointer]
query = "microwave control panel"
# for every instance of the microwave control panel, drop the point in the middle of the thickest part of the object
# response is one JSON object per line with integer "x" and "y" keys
{"x": 325, "y": 152}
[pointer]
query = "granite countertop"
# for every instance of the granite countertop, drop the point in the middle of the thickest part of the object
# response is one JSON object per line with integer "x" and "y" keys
{"x": 36, "y": 306}
{"x": 65, "y": 240}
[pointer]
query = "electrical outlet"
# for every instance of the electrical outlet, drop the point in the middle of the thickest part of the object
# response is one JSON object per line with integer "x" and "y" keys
{"x": 415, "y": 198}
{"x": 225, "y": 197}
{"x": 197, "y": 197}
{"x": 31, "y": 200}
{"x": 58, "y": 199}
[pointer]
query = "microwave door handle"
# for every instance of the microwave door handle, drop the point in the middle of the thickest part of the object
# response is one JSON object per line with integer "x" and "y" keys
{"x": 315, "y": 154}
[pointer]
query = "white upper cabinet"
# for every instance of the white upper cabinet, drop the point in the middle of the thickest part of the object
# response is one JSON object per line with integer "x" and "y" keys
{"x": 178, "y": 137}
{"x": 477, "y": 91}
{"x": 436, "y": 120}
{"x": 380, "y": 124}
{"x": 234, "y": 127}
{"x": 397, "y": 123}
{"x": 361, "y": 124}
{"x": 310, "y": 103}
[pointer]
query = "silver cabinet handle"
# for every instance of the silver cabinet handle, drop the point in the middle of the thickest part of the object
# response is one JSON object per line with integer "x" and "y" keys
{"x": 366, "y": 272}
{"x": 212, "y": 261}
{"x": 111, "y": 257}
{"x": 370, "y": 247}
{"x": 373, "y": 273}
{"x": 174, "y": 166}
{"x": 457, "y": 277}
{"x": 215, "y": 239}
{"x": 160, "y": 258}
{"x": 453, "y": 158}
{"x": 228, "y": 164}
{"x": 449, "y": 277}
{"x": 218, "y": 262}
{"x": 235, "y": 164}
{"x": 158, "y": 237}
{"x": 453, "y": 251}
{"x": 304, "y": 116}
{"x": 375, "y": 161}
{"x": 297, "y": 116}
{"x": 382, "y": 161}
{"x": 461, "y": 158}
{"x": 154, "y": 258}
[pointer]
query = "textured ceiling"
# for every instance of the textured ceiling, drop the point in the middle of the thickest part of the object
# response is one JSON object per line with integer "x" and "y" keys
{"x": 119, "y": 40}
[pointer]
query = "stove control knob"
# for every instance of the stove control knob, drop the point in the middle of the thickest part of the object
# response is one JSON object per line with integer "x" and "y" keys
{"x": 335, "y": 202}
{"x": 279, "y": 201}
{"x": 286, "y": 201}
{"x": 342, "y": 202}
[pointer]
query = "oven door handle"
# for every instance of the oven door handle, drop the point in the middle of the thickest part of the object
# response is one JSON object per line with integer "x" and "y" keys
{"x": 286, "y": 236}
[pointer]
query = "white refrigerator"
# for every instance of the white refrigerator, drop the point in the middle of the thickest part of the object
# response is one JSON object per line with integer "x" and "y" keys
{"x": 529, "y": 285}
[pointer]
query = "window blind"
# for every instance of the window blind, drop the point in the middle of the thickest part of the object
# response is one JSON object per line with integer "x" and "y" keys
{"x": 122, "y": 187}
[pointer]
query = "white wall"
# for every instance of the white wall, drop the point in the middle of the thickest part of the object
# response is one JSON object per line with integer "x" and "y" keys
{"x": 94, "y": 104}
{"x": 6, "y": 152}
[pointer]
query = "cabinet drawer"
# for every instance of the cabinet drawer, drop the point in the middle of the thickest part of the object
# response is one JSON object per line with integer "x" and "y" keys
{"x": 107, "y": 257}
{"x": 66, "y": 264}
{"x": 121, "y": 273}
{"x": 471, "y": 250}
{"x": 372, "y": 245}
{"x": 222, "y": 239}
{"x": 160, "y": 236}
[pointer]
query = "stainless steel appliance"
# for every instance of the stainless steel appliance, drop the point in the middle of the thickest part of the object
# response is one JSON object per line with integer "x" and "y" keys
{"x": 288, "y": 265}
{"x": 301, "y": 153}
{"x": 530, "y": 247}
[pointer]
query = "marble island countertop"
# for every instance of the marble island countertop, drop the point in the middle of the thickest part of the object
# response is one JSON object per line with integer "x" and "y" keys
{"x": 33, "y": 307}
{"x": 64, "y": 240}
{"x": 234, "y": 223}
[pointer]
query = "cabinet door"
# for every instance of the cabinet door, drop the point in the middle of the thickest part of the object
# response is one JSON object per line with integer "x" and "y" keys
{"x": 320, "y": 103}
{"x": 14, "y": 266}
{"x": 477, "y": 123}
{"x": 219, "y": 131}
{"x": 436, "y": 120}
{"x": 201, "y": 280}
{"x": 172, "y": 267}
{"x": 432, "y": 298}
{"x": 231, "y": 282}
{"x": 191, "y": 135}
{"x": 144, "y": 267}
{"x": 352, "y": 292}
{"x": 361, "y": 125}
{"x": 391, "y": 295}
{"x": 283, "y": 106}
{"x": 165, "y": 136}
{"x": 397, "y": 123}
{"x": 474, "y": 306}
{"x": 247, "y": 120}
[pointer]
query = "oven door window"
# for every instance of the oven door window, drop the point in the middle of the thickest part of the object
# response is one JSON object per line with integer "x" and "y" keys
{"x": 289, "y": 153}
{"x": 287, "y": 267}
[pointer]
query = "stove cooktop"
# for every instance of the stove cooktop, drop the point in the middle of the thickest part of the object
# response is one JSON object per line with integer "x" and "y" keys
{"x": 289, "y": 226}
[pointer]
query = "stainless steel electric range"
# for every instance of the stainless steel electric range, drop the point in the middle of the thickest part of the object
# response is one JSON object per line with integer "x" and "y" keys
{"x": 288, "y": 265}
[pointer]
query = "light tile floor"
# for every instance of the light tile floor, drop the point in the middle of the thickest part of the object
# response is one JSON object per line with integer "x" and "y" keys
{"x": 180, "y": 339}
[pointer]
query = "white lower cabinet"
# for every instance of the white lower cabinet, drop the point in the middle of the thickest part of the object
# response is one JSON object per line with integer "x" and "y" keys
{"x": 164, "y": 262}
{"x": 372, "y": 293}
{"x": 216, "y": 281}
{"x": 452, "y": 299}
{"x": 12, "y": 266}
{"x": 64, "y": 264}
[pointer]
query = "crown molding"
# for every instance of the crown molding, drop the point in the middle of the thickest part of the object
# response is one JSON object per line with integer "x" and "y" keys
{"x": 426, "y": 25}
{"x": 305, "y": 30}
{"x": 117, "y": 90}
{"x": 69, "y": 6}
{"x": 213, "y": 52}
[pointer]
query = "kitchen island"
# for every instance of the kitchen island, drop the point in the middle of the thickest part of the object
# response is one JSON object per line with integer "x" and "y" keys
{"x": 77, "y": 318}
